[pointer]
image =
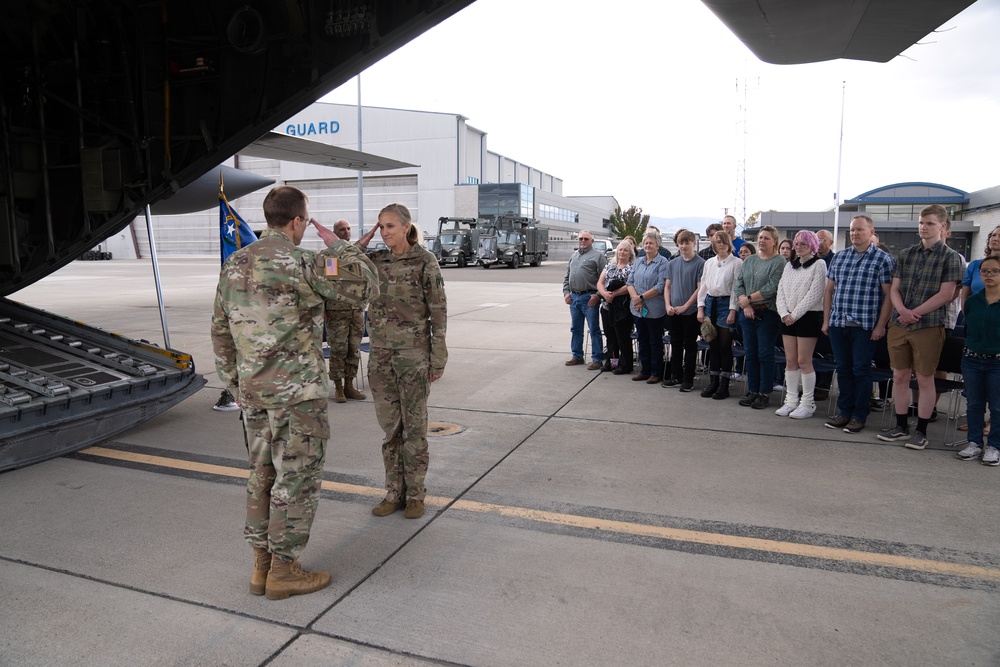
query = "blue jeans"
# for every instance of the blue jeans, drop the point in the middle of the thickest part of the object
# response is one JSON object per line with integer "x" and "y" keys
{"x": 853, "y": 350}
{"x": 649, "y": 331}
{"x": 982, "y": 386}
{"x": 760, "y": 334}
{"x": 578, "y": 310}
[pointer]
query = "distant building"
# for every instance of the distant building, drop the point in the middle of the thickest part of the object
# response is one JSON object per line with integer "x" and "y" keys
{"x": 895, "y": 210}
{"x": 456, "y": 175}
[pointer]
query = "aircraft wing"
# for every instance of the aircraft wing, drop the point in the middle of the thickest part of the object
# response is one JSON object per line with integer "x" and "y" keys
{"x": 277, "y": 146}
{"x": 110, "y": 106}
{"x": 203, "y": 193}
{"x": 789, "y": 32}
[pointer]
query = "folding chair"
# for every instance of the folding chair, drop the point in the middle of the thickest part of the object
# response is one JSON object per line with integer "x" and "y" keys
{"x": 739, "y": 361}
{"x": 827, "y": 365}
{"x": 882, "y": 374}
{"x": 365, "y": 346}
{"x": 950, "y": 362}
{"x": 702, "y": 370}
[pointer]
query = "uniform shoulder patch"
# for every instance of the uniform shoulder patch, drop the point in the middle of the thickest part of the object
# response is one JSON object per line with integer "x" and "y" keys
{"x": 332, "y": 267}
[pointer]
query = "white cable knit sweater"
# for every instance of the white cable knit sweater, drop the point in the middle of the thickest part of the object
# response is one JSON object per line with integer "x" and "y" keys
{"x": 801, "y": 289}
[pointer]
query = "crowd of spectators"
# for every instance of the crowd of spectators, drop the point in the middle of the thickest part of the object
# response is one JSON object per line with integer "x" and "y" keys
{"x": 786, "y": 296}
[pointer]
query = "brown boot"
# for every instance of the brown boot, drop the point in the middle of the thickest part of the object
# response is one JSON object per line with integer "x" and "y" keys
{"x": 351, "y": 372}
{"x": 387, "y": 507}
{"x": 352, "y": 393}
{"x": 286, "y": 579}
{"x": 261, "y": 565}
{"x": 339, "y": 397}
{"x": 414, "y": 509}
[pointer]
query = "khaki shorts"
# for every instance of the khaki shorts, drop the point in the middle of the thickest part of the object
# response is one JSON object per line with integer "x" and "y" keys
{"x": 919, "y": 349}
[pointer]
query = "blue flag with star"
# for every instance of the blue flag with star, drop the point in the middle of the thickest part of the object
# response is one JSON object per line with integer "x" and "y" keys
{"x": 235, "y": 232}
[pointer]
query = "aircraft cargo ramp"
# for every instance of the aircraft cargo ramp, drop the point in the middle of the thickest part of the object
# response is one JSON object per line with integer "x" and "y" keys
{"x": 65, "y": 385}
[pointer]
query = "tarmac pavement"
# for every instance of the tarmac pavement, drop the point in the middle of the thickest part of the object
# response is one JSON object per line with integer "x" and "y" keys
{"x": 576, "y": 517}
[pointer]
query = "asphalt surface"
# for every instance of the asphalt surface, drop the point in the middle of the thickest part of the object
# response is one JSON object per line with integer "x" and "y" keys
{"x": 574, "y": 517}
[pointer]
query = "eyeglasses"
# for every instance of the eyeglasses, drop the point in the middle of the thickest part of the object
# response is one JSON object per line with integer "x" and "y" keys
{"x": 992, "y": 273}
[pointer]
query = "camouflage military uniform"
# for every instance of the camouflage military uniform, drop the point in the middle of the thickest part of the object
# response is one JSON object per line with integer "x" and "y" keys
{"x": 266, "y": 333}
{"x": 407, "y": 326}
{"x": 344, "y": 330}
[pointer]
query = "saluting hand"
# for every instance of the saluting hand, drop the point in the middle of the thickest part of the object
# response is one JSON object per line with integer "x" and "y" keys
{"x": 325, "y": 233}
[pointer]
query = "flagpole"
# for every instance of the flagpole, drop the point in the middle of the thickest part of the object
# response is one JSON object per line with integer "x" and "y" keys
{"x": 156, "y": 278}
{"x": 361, "y": 178}
{"x": 840, "y": 158}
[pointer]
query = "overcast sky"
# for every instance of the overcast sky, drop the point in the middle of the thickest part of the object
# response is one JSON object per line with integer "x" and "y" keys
{"x": 645, "y": 101}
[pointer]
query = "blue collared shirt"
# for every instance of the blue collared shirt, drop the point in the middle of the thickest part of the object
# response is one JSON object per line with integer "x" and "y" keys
{"x": 646, "y": 276}
{"x": 858, "y": 278}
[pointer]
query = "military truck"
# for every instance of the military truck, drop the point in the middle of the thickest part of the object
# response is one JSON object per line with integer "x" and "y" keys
{"x": 512, "y": 241}
{"x": 459, "y": 240}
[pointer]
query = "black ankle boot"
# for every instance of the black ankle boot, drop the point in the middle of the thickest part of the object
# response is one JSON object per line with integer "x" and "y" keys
{"x": 723, "y": 391}
{"x": 713, "y": 386}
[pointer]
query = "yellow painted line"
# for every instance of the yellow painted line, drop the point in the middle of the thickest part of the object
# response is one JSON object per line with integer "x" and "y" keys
{"x": 737, "y": 542}
{"x": 865, "y": 558}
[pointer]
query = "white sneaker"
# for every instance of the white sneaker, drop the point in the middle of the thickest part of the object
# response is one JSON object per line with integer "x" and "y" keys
{"x": 973, "y": 451}
{"x": 803, "y": 412}
{"x": 784, "y": 410}
{"x": 992, "y": 456}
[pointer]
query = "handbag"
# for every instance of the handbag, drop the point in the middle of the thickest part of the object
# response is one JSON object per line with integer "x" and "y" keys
{"x": 708, "y": 330}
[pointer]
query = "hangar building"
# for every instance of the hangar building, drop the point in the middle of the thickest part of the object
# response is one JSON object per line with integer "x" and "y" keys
{"x": 455, "y": 175}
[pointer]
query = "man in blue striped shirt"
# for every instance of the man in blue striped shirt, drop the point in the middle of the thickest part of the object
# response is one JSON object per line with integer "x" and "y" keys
{"x": 856, "y": 309}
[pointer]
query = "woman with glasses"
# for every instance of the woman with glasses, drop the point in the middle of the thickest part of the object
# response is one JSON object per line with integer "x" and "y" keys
{"x": 645, "y": 287}
{"x": 800, "y": 307}
{"x": 716, "y": 302}
{"x": 973, "y": 282}
{"x": 756, "y": 290}
{"x": 981, "y": 363}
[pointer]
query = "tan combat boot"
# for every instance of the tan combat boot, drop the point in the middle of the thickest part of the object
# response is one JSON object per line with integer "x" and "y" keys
{"x": 261, "y": 565}
{"x": 387, "y": 507}
{"x": 286, "y": 579}
{"x": 350, "y": 392}
{"x": 414, "y": 509}
{"x": 339, "y": 397}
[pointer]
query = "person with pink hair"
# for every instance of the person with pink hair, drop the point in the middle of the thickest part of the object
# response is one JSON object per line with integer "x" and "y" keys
{"x": 800, "y": 307}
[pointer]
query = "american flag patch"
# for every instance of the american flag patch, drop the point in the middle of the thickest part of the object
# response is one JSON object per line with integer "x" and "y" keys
{"x": 332, "y": 268}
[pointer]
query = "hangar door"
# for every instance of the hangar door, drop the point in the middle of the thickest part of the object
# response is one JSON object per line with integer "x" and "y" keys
{"x": 335, "y": 198}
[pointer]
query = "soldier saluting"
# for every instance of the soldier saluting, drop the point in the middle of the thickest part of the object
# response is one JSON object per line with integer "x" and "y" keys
{"x": 266, "y": 334}
{"x": 407, "y": 324}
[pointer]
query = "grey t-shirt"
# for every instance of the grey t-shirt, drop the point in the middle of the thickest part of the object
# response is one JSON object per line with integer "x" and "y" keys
{"x": 684, "y": 276}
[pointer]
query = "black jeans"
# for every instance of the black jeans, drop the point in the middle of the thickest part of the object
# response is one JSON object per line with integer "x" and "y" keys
{"x": 683, "y": 346}
{"x": 619, "y": 337}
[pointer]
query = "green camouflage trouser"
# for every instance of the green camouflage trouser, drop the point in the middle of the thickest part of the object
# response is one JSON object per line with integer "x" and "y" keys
{"x": 344, "y": 330}
{"x": 400, "y": 386}
{"x": 287, "y": 447}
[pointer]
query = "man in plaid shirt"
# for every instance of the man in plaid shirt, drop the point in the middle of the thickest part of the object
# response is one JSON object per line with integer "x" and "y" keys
{"x": 923, "y": 283}
{"x": 856, "y": 309}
